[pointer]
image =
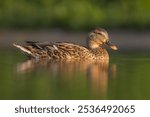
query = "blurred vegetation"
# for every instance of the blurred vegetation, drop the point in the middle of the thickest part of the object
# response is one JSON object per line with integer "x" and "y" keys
{"x": 74, "y": 14}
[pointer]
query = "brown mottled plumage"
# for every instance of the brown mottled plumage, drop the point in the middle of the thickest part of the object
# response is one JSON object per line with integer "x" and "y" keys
{"x": 69, "y": 51}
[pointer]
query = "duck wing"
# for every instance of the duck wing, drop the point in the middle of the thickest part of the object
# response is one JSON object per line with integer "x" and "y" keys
{"x": 38, "y": 45}
{"x": 34, "y": 49}
{"x": 58, "y": 50}
{"x": 64, "y": 50}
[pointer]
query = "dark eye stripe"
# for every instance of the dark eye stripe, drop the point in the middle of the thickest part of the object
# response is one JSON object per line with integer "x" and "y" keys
{"x": 98, "y": 33}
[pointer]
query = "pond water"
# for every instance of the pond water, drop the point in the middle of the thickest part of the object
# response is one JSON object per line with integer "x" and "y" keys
{"x": 126, "y": 77}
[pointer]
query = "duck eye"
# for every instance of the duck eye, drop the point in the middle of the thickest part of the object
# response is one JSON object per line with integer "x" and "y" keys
{"x": 100, "y": 33}
{"x": 103, "y": 34}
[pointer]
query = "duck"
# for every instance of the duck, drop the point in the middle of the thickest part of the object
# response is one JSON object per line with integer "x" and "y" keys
{"x": 97, "y": 40}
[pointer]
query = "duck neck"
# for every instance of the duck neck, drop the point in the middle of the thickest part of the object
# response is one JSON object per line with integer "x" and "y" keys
{"x": 100, "y": 53}
{"x": 92, "y": 44}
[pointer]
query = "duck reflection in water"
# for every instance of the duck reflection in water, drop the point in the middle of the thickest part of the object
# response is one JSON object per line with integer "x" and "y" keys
{"x": 96, "y": 74}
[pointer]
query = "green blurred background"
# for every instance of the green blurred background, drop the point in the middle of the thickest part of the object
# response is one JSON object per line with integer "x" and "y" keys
{"x": 74, "y": 14}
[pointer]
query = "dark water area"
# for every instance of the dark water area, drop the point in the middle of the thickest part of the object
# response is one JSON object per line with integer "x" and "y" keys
{"x": 126, "y": 77}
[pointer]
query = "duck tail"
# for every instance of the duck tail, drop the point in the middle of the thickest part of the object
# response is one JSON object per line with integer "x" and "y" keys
{"x": 23, "y": 49}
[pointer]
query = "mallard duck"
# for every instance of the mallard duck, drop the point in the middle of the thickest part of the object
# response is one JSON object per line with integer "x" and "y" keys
{"x": 95, "y": 49}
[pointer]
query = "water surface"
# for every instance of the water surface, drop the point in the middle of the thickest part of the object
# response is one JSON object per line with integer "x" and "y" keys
{"x": 126, "y": 77}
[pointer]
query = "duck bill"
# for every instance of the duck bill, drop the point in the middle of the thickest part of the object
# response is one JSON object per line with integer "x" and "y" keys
{"x": 112, "y": 46}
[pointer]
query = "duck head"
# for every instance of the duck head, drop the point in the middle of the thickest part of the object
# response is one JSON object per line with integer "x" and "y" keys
{"x": 99, "y": 37}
